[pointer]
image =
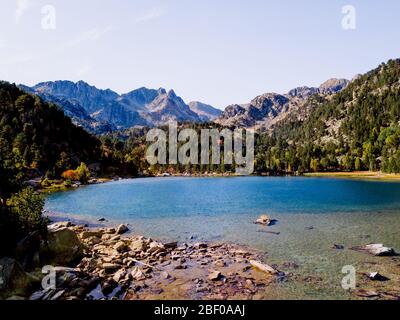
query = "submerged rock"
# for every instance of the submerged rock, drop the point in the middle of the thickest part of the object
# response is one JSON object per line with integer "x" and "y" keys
{"x": 265, "y": 220}
{"x": 263, "y": 267}
{"x": 367, "y": 293}
{"x": 376, "y": 276}
{"x": 377, "y": 250}
{"x": 338, "y": 246}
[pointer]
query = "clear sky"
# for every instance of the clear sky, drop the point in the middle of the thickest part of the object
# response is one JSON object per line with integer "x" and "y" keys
{"x": 216, "y": 51}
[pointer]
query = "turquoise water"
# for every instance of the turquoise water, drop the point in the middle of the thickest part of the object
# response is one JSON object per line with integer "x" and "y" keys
{"x": 312, "y": 213}
{"x": 177, "y": 197}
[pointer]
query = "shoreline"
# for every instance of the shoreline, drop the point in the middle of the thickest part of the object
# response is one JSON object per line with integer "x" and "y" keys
{"x": 367, "y": 175}
{"x": 115, "y": 265}
{"x": 59, "y": 186}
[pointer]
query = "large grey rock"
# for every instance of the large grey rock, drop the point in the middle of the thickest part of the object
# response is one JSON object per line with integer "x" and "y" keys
{"x": 138, "y": 245}
{"x": 59, "y": 225}
{"x": 263, "y": 267}
{"x": 379, "y": 250}
{"x": 122, "y": 229}
{"x": 63, "y": 247}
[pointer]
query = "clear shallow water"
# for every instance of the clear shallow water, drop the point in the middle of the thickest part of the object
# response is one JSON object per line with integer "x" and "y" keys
{"x": 341, "y": 211}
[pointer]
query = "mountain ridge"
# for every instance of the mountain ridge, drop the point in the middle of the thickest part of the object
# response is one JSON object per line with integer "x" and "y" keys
{"x": 104, "y": 110}
{"x": 267, "y": 109}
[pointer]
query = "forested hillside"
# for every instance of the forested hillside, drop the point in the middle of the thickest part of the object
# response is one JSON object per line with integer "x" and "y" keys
{"x": 356, "y": 129}
{"x": 36, "y": 138}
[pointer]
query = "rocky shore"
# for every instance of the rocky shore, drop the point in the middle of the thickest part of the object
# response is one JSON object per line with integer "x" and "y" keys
{"x": 81, "y": 263}
{"x": 110, "y": 263}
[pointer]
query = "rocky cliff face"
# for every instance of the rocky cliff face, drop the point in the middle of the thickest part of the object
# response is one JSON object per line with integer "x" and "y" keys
{"x": 267, "y": 109}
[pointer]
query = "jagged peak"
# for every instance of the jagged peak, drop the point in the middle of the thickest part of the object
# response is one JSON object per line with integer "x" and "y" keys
{"x": 334, "y": 84}
{"x": 161, "y": 91}
{"x": 171, "y": 94}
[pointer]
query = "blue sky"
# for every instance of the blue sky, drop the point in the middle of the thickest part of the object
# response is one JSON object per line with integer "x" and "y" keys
{"x": 219, "y": 52}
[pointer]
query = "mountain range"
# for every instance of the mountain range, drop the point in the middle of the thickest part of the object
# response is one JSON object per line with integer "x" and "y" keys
{"x": 100, "y": 111}
{"x": 270, "y": 108}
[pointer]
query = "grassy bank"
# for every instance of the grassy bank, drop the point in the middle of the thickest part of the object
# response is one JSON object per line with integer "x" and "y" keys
{"x": 60, "y": 185}
{"x": 357, "y": 175}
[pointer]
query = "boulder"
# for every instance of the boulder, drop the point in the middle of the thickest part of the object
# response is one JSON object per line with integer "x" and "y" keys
{"x": 119, "y": 275}
{"x": 109, "y": 231}
{"x": 380, "y": 250}
{"x": 122, "y": 229}
{"x": 156, "y": 247}
{"x": 377, "y": 250}
{"x": 201, "y": 245}
{"x": 59, "y": 225}
{"x": 215, "y": 276}
{"x": 89, "y": 234}
{"x": 376, "y": 276}
{"x": 63, "y": 247}
{"x": 220, "y": 263}
{"x": 120, "y": 246}
{"x": 108, "y": 286}
{"x": 110, "y": 266}
{"x": 14, "y": 281}
{"x": 171, "y": 245}
{"x": 263, "y": 267}
{"x": 138, "y": 245}
{"x": 137, "y": 274}
{"x": 265, "y": 220}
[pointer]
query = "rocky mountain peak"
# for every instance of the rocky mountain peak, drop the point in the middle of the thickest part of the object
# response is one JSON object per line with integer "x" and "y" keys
{"x": 161, "y": 91}
{"x": 303, "y": 92}
{"x": 333, "y": 85}
{"x": 86, "y": 105}
{"x": 267, "y": 109}
{"x": 171, "y": 94}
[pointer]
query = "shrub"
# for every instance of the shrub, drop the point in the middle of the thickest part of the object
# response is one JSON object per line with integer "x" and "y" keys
{"x": 70, "y": 175}
{"x": 26, "y": 208}
{"x": 19, "y": 217}
{"x": 83, "y": 173}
